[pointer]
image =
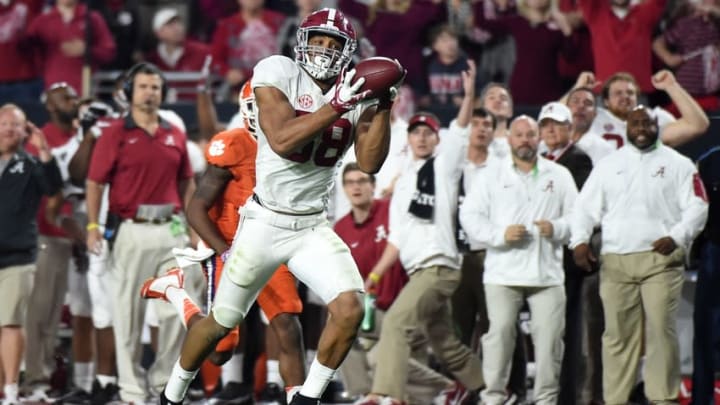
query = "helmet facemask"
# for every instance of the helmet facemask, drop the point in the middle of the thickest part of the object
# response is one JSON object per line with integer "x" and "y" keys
{"x": 319, "y": 62}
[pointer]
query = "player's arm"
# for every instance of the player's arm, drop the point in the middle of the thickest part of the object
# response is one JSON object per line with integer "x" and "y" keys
{"x": 693, "y": 121}
{"x": 372, "y": 138}
{"x": 285, "y": 131}
{"x": 209, "y": 188}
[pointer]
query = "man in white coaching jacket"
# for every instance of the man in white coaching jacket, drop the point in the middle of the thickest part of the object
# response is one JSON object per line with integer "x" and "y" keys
{"x": 520, "y": 208}
{"x": 650, "y": 203}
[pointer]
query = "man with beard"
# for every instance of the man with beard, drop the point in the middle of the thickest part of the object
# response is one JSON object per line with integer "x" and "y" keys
{"x": 54, "y": 253}
{"x": 520, "y": 209}
{"x": 620, "y": 94}
{"x": 650, "y": 204}
{"x": 144, "y": 159}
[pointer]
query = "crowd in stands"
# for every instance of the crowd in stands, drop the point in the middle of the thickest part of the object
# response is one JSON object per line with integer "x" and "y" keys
{"x": 603, "y": 73}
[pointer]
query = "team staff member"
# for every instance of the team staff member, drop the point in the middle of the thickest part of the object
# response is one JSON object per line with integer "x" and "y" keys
{"x": 145, "y": 161}
{"x": 520, "y": 208}
{"x": 365, "y": 231}
{"x": 56, "y": 251}
{"x": 23, "y": 181}
{"x": 650, "y": 204}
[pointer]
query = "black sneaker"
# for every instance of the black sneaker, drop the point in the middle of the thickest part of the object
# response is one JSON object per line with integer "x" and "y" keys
{"x": 165, "y": 401}
{"x": 102, "y": 396}
{"x": 273, "y": 394}
{"x": 76, "y": 396}
{"x": 233, "y": 393}
{"x": 303, "y": 400}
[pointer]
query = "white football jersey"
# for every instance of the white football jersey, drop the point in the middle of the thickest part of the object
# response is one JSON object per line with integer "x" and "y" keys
{"x": 614, "y": 130}
{"x": 300, "y": 183}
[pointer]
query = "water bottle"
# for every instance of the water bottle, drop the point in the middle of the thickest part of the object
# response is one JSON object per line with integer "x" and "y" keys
{"x": 368, "y": 322}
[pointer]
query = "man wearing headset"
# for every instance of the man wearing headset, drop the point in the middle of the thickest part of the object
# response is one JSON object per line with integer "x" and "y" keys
{"x": 144, "y": 160}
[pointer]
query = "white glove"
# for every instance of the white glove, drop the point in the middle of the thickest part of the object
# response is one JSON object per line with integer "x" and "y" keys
{"x": 188, "y": 256}
{"x": 346, "y": 95}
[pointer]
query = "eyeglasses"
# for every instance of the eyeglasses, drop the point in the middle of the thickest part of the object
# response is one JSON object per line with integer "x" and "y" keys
{"x": 359, "y": 182}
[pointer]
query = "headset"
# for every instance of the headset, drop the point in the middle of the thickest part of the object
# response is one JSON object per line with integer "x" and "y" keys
{"x": 142, "y": 67}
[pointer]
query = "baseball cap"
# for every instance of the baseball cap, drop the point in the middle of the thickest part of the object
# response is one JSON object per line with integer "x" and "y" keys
{"x": 424, "y": 118}
{"x": 555, "y": 111}
{"x": 163, "y": 17}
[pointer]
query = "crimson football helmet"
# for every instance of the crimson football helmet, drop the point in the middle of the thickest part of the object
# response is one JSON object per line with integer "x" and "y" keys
{"x": 320, "y": 62}
{"x": 246, "y": 99}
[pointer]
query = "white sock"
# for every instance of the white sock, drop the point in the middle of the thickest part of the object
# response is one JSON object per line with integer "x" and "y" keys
{"x": 83, "y": 375}
{"x": 177, "y": 296}
{"x": 273, "y": 373}
{"x": 11, "y": 392}
{"x": 232, "y": 371}
{"x": 178, "y": 383}
{"x": 104, "y": 380}
{"x": 317, "y": 380}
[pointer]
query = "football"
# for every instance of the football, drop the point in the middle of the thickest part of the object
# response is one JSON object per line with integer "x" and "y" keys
{"x": 380, "y": 74}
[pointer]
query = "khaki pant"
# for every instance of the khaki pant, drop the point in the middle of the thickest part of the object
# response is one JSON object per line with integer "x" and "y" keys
{"x": 637, "y": 289}
{"x": 16, "y": 284}
{"x": 357, "y": 369}
{"x": 142, "y": 251}
{"x": 45, "y": 307}
{"x": 422, "y": 309}
{"x": 547, "y": 308}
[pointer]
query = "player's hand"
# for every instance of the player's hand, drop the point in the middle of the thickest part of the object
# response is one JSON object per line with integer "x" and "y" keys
{"x": 94, "y": 242}
{"x": 515, "y": 233}
{"x": 583, "y": 256}
{"x": 469, "y": 76}
{"x": 663, "y": 80}
{"x": 347, "y": 94}
{"x": 370, "y": 285}
{"x": 664, "y": 246}
{"x": 545, "y": 227}
{"x": 586, "y": 79}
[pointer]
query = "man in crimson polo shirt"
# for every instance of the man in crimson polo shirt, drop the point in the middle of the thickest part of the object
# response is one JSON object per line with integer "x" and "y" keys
{"x": 365, "y": 231}
{"x": 144, "y": 160}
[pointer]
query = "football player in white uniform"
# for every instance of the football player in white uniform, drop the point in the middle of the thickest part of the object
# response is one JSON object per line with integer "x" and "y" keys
{"x": 309, "y": 112}
{"x": 620, "y": 96}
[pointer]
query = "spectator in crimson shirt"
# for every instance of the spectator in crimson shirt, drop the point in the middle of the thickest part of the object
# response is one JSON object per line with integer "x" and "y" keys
{"x": 621, "y": 35}
{"x": 60, "y": 34}
{"x": 244, "y": 39}
{"x": 18, "y": 74}
{"x": 399, "y": 29}
{"x": 174, "y": 52}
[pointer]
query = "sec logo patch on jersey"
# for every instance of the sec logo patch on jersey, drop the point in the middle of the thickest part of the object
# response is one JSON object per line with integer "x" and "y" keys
{"x": 305, "y": 101}
{"x": 216, "y": 148}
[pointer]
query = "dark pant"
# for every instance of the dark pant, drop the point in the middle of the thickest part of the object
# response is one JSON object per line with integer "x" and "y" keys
{"x": 707, "y": 325}
{"x": 570, "y": 374}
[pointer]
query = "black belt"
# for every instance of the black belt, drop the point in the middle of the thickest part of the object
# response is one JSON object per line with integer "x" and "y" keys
{"x": 156, "y": 221}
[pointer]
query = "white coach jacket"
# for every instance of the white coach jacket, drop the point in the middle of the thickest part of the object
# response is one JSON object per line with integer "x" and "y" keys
{"x": 639, "y": 197}
{"x": 503, "y": 196}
